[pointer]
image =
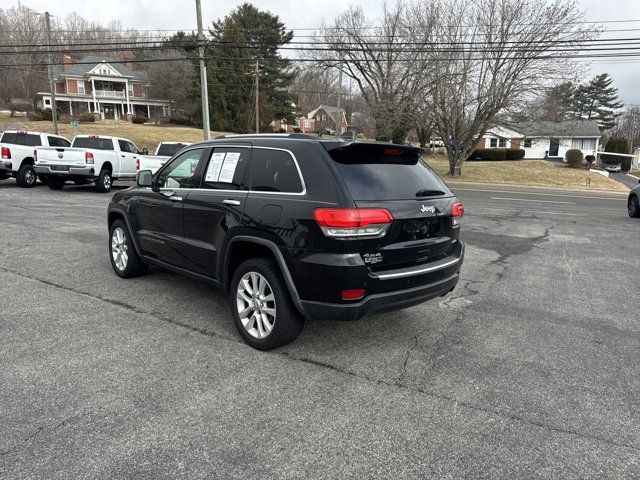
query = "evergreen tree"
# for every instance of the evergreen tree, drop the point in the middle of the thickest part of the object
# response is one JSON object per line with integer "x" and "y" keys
{"x": 598, "y": 100}
{"x": 556, "y": 103}
{"x": 241, "y": 39}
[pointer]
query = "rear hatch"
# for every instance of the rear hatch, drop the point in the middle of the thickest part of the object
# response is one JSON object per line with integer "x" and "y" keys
{"x": 395, "y": 178}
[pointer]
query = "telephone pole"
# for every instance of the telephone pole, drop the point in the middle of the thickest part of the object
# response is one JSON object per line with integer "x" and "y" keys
{"x": 203, "y": 75}
{"x": 52, "y": 85}
{"x": 339, "y": 94}
{"x": 257, "y": 97}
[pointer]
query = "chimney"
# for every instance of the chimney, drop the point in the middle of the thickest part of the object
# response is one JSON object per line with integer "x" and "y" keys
{"x": 67, "y": 61}
{"x": 128, "y": 60}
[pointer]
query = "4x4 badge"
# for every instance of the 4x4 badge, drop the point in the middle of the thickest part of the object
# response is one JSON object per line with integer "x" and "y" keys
{"x": 428, "y": 209}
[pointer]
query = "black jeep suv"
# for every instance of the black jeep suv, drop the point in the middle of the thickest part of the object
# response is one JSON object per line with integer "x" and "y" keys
{"x": 294, "y": 227}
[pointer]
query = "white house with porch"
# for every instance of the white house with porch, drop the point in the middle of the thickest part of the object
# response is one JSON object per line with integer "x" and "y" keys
{"x": 545, "y": 139}
{"x": 105, "y": 88}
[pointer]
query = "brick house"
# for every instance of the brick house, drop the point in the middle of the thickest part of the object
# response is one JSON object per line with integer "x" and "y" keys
{"x": 328, "y": 118}
{"x": 103, "y": 87}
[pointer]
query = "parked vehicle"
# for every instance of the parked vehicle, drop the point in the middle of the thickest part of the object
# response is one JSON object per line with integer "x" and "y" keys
{"x": 164, "y": 152}
{"x": 294, "y": 227}
{"x": 91, "y": 158}
{"x": 16, "y": 152}
{"x": 613, "y": 167}
{"x": 633, "y": 203}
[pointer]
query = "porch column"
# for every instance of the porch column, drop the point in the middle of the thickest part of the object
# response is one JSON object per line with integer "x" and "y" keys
{"x": 148, "y": 111}
{"x": 88, "y": 105}
{"x": 70, "y": 108}
{"x": 93, "y": 92}
{"x": 126, "y": 86}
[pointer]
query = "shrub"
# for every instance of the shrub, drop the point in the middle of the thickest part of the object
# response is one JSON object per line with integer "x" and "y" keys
{"x": 574, "y": 158}
{"x": 181, "y": 121}
{"x": 87, "y": 117}
{"x": 515, "y": 153}
{"x": 488, "y": 154}
{"x": 441, "y": 151}
{"x": 138, "y": 120}
{"x": 590, "y": 159}
{"x": 20, "y": 105}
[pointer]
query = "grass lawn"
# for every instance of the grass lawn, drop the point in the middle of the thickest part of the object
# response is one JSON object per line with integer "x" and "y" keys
{"x": 537, "y": 173}
{"x": 144, "y": 136}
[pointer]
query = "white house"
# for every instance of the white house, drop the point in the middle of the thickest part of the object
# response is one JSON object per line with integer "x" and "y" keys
{"x": 545, "y": 139}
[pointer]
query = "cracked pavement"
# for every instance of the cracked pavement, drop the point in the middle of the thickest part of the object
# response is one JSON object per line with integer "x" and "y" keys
{"x": 530, "y": 368}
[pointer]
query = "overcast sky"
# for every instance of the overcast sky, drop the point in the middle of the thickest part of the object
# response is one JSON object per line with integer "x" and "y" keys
{"x": 180, "y": 14}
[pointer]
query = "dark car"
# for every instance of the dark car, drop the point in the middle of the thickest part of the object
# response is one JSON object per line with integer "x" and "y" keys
{"x": 633, "y": 203}
{"x": 294, "y": 227}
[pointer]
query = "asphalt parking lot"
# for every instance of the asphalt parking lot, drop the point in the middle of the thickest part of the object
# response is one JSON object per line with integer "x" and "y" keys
{"x": 530, "y": 368}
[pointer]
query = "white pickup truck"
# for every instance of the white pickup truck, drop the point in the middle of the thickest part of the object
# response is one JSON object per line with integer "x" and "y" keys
{"x": 164, "y": 152}
{"x": 91, "y": 158}
{"x": 16, "y": 154}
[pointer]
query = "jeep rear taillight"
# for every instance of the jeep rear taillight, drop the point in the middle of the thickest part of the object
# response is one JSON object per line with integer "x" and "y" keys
{"x": 88, "y": 157}
{"x": 353, "y": 222}
{"x": 6, "y": 153}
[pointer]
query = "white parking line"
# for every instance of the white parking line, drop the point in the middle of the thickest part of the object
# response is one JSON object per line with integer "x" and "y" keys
{"x": 530, "y": 200}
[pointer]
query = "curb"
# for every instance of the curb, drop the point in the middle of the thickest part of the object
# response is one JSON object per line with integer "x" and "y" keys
{"x": 534, "y": 187}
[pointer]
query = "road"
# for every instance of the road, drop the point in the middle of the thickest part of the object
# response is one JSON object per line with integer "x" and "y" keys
{"x": 530, "y": 368}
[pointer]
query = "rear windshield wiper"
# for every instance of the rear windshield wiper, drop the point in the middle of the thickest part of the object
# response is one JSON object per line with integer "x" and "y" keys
{"x": 428, "y": 193}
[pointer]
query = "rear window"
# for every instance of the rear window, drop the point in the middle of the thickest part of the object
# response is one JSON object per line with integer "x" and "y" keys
{"x": 374, "y": 172}
{"x": 58, "y": 142}
{"x": 170, "y": 149}
{"x": 26, "y": 139}
{"x": 93, "y": 142}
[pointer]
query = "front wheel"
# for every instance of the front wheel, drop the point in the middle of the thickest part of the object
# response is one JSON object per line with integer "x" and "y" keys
{"x": 633, "y": 207}
{"x": 103, "y": 182}
{"x": 26, "y": 176}
{"x": 261, "y": 305}
{"x": 55, "y": 183}
{"x": 122, "y": 253}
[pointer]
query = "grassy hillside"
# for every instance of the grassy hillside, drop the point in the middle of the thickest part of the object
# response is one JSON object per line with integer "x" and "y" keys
{"x": 144, "y": 136}
{"x": 538, "y": 173}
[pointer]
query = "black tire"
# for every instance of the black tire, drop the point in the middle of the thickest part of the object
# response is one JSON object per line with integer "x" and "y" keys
{"x": 26, "y": 176}
{"x": 55, "y": 183}
{"x": 43, "y": 179}
{"x": 287, "y": 323}
{"x": 133, "y": 266}
{"x": 633, "y": 207}
{"x": 104, "y": 181}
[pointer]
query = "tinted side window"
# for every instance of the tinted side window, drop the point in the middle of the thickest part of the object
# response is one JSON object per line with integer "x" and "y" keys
{"x": 125, "y": 146}
{"x": 274, "y": 171}
{"x": 58, "y": 142}
{"x": 180, "y": 173}
{"x": 226, "y": 168}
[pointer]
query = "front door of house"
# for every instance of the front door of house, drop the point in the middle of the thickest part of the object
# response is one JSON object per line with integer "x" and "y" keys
{"x": 554, "y": 146}
{"x": 109, "y": 111}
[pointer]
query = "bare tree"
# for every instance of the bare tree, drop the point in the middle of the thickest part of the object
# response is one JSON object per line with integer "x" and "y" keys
{"x": 376, "y": 55}
{"x": 482, "y": 58}
{"x": 171, "y": 79}
{"x": 314, "y": 85}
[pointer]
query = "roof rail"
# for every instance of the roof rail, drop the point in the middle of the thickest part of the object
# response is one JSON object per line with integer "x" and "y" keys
{"x": 274, "y": 135}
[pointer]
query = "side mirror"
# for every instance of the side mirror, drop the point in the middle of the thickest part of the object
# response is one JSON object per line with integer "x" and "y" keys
{"x": 144, "y": 178}
{"x": 145, "y": 151}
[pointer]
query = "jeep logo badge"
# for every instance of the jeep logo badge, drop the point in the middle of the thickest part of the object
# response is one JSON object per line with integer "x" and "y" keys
{"x": 60, "y": 155}
{"x": 428, "y": 209}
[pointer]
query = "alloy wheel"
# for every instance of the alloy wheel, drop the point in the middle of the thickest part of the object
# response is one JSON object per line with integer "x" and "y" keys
{"x": 30, "y": 176}
{"x": 119, "y": 249}
{"x": 256, "y": 305}
{"x": 107, "y": 181}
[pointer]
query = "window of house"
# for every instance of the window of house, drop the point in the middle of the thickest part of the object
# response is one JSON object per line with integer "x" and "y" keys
{"x": 274, "y": 171}
{"x": 226, "y": 169}
{"x": 493, "y": 143}
{"x": 47, "y": 102}
{"x": 502, "y": 143}
{"x": 181, "y": 172}
{"x": 527, "y": 143}
{"x": 80, "y": 84}
{"x": 583, "y": 143}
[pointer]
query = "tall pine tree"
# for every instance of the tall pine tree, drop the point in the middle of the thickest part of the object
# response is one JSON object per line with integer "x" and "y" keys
{"x": 246, "y": 36}
{"x": 598, "y": 100}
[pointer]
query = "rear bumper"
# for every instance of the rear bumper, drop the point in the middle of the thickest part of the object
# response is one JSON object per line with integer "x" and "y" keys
{"x": 402, "y": 288}
{"x": 70, "y": 171}
{"x": 5, "y": 166}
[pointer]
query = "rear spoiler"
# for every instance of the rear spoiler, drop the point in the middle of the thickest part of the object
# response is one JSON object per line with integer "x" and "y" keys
{"x": 358, "y": 151}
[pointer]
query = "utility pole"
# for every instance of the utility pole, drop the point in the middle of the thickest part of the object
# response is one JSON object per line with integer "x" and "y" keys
{"x": 52, "y": 85}
{"x": 339, "y": 94}
{"x": 257, "y": 97}
{"x": 203, "y": 75}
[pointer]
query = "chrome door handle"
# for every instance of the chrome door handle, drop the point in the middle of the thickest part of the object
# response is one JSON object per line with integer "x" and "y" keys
{"x": 231, "y": 202}
{"x": 175, "y": 198}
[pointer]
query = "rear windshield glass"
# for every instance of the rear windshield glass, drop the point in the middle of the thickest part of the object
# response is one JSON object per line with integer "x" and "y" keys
{"x": 170, "y": 149}
{"x": 385, "y": 173}
{"x": 93, "y": 142}
{"x": 26, "y": 139}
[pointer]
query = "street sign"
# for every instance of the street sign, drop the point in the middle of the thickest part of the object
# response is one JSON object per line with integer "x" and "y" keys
{"x": 74, "y": 124}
